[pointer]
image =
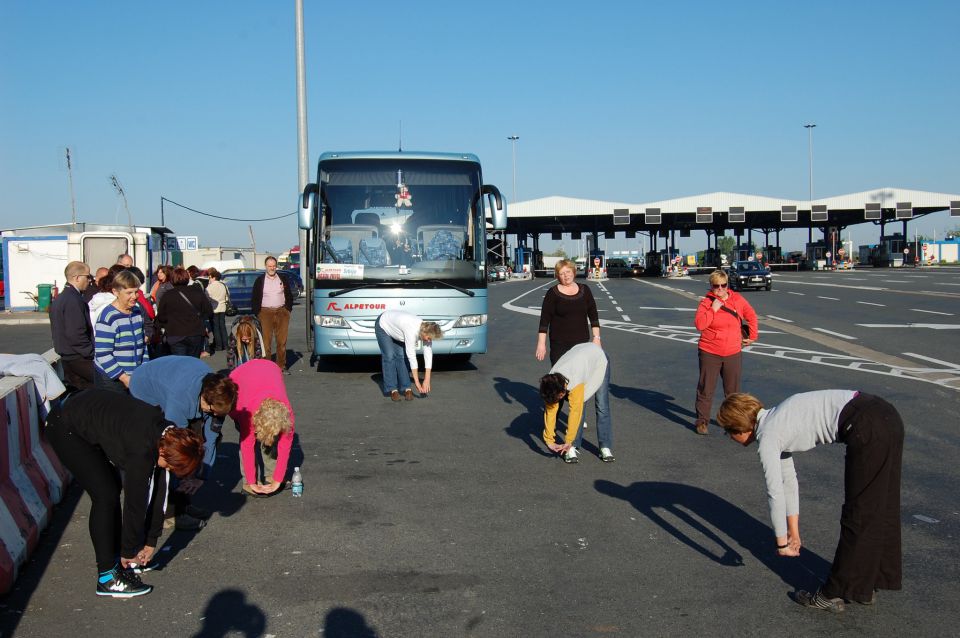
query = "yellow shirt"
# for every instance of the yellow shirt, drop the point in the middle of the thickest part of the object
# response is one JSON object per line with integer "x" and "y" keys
{"x": 575, "y": 397}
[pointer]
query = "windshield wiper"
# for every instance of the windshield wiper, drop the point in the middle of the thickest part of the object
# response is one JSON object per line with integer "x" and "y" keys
{"x": 393, "y": 284}
{"x": 375, "y": 284}
{"x": 469, "y": 293}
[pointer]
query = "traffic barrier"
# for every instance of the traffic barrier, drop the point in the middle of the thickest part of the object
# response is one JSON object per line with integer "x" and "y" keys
{"x": 32, "y": 479}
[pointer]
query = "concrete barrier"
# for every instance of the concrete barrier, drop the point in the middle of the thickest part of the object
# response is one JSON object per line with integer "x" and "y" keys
{"x": 32, "y": 480}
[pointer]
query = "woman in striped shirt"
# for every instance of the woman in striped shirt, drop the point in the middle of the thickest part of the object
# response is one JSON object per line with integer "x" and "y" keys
{"x": 119, "y": 341}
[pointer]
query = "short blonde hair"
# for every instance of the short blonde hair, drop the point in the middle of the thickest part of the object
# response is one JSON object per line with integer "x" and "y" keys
{"x": 738, "y": 413}
{"x": 430, "y": 330}
{"x": 564, "y": 263}
{"x": 718, "y": 277}
{"x": 271, "y": 420}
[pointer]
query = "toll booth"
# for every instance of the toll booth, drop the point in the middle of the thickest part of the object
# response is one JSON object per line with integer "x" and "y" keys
{"x": 743, "y": 252}
{"x": 653, "y": 262}
{"x": 816, "y": 253}
{"x": 711, "y": 257}
{"x": 524, "y": 259}
{"x": 891, "y": 251}
{"x": 773, "y": 255}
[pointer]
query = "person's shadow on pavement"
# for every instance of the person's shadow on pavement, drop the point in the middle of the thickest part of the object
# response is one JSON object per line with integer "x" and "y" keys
{"x": 703, "y": 512}
{"x": 347, "y": 623}
{"x": 228, "y": 612}
{"x": 658, "y": 403}
{"x": 527, "y": 425}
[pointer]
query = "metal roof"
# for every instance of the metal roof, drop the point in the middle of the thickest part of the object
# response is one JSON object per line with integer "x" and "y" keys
{"x": 568, "y": 214}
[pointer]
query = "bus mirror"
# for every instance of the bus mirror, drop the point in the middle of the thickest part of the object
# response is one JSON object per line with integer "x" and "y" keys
{"x": 497, "y": 205}
{"x": 308, "y": 202}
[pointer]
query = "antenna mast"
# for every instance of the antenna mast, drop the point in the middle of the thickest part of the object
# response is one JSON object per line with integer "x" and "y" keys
{"x": 73, "y": 198}
{"x": 123, "y": 195}
{"x": 400, "y": 141}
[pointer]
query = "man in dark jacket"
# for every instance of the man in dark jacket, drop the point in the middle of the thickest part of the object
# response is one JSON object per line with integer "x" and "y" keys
{"x": 71, "y": 329}
{"x": 272, "y": 302}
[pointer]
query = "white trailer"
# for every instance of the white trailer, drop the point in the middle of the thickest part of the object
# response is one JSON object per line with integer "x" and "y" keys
{"x": 38, "y": 254}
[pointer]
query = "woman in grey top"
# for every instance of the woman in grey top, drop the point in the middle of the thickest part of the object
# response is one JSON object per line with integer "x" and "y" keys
{"x": 868, "y": 556}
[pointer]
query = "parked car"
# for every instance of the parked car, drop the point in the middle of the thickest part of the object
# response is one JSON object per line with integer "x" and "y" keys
{"x": 749, "y": 274}
{"x": 240, "y": 285}
{"x": 617, "y": 267}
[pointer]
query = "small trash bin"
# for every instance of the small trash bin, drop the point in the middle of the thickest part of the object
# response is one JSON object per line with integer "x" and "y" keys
{"x": 43, "y": 296}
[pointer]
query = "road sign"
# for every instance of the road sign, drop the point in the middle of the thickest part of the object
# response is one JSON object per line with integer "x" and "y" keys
{"x": 596, "y": 261}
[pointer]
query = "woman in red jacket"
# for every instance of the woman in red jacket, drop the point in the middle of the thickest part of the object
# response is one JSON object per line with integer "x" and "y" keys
{"x": 718, "y": 319}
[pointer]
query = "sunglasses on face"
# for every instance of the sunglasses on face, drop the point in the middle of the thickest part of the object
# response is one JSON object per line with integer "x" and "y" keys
{"x": 718, "y": 285}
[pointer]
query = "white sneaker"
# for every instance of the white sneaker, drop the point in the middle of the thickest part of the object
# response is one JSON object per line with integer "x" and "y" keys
{"x": 584, "y": 425}
{"x": 606, "y": 455}
{"x": 570, "y": 456}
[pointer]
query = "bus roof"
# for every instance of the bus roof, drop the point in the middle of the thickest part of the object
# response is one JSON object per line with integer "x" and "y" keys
{"x": 410, "y": 155}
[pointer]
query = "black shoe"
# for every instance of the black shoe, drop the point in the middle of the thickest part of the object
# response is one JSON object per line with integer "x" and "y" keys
{"x": 123, "y": 584}
{"x": 819, "y": 601}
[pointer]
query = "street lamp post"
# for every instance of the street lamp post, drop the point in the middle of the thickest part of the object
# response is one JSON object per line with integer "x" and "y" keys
{"x": 810, "y": 128}
{"x": 513, "y": 139}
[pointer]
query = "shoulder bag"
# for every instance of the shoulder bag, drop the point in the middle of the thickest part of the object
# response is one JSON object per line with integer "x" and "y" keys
{"x": 744, "y": 326}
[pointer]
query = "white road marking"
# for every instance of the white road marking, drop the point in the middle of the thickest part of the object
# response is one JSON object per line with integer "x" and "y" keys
{"x": 835, "y": 334}
{"x": 895, "y": 281}
{"x": 870, "y": 303}
{"x": 938, "y": 283}
{"x": 625, "y": 318}
{"x": 932, "y": 326}
{"x": 780, "y": 318}
{"x": 830, "y": 298}
{"x": 933, "y": 312}
{"x": 944, "y": 377}
{"x": 932, "y": 360}
{"x": 659, "y": 308}
{"x": 619, "y": 309}
{"x": 802, "y": 294}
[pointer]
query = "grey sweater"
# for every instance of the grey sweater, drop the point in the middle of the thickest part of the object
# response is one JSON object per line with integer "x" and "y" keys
{"x": 583, "y": 363}
{"x": 800, "y": 423}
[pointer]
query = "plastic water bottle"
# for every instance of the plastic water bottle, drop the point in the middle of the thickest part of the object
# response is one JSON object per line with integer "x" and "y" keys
{"x": 297, "y": 483}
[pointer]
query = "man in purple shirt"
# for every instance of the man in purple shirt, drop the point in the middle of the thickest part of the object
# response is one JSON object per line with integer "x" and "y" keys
{"x": 272, "y": 302}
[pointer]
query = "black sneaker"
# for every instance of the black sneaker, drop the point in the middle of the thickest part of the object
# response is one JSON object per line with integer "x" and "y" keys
{"x": 816, "y": 600}
{"x": 123, "y": 584}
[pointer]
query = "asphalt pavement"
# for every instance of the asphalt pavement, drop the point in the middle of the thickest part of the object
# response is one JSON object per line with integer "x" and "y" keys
{"x": 446, "y": 516}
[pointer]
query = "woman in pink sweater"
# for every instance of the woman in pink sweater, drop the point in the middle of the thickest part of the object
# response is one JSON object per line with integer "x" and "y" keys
{"x": 265, "y": 419}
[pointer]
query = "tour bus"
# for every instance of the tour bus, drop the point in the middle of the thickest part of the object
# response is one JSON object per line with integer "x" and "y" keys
{"x": 397, "y": 231}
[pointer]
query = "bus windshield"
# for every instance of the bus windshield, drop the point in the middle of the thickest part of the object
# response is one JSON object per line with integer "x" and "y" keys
{"x": 399, "y": 221}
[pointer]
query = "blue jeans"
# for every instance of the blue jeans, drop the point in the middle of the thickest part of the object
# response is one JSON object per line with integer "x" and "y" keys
{"x": 604, "y": 421}
{"x": 396, "y": 374}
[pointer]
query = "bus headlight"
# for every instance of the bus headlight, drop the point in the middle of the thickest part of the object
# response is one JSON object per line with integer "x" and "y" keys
{"x": 470, "y": 321}
{"x": 327, "y": 321}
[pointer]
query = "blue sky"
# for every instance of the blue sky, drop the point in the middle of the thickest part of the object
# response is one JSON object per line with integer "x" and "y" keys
{"x": 622, "y": 101}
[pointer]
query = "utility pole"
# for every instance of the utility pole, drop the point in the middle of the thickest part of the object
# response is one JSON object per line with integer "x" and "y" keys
{"x": 513, "y": 139}
{"x": 73, "y": 198}
{"x": 810, "y": 128}
{"x": 302, "y": 151}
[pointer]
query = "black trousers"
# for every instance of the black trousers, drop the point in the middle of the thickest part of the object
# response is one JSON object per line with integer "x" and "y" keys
{"x": 868, "y": 555}
{"x": 78, "y": 373}
{"x": 100, "y": 479}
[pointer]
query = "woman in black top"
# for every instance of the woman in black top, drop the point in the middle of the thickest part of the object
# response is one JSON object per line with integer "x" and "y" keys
{"x": 569, "y": 313}
{"x": 183, "y": 314}
{"x": 97, "y": 434}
